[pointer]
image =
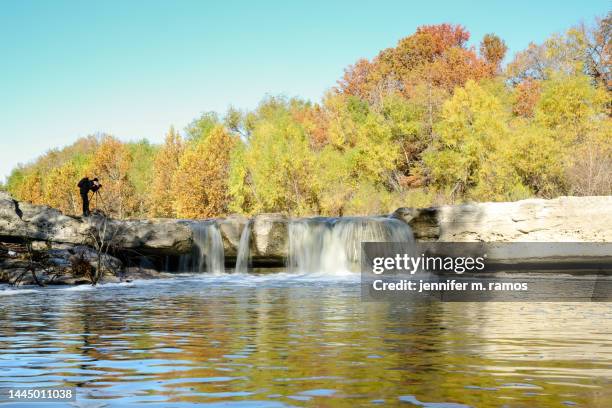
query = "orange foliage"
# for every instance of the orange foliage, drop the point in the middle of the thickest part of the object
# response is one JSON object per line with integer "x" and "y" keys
{"x": 110, "y": 164}
{"x": 315, "y": 123}
{"x": 441, "y": 37}
{"x": 493, "y": 49}
{"x": 435, "y": 54}
{"x": 527, "y": 94}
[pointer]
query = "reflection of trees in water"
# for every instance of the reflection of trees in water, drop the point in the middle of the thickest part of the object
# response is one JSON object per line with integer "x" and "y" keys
{"x": 283, "y": 340}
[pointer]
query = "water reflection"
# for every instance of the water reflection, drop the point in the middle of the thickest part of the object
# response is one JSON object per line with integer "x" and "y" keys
{"x": 298, "y": 342}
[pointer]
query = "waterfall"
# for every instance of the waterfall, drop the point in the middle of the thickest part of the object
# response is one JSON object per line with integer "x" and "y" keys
{"x": 333, "y": 245}
{"x": 207, "y": 254}
{"x": 244, "y": 250}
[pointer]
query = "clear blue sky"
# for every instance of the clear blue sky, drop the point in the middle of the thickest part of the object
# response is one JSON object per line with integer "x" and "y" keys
{"x": 133, "y": 68}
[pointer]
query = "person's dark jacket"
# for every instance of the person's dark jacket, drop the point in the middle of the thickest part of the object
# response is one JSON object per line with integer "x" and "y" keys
{"x": 86, "y": 185}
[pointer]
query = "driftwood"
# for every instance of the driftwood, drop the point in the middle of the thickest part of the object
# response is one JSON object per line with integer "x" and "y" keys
{"x": 34, "y": 262}
{"x": 105, "y": 237}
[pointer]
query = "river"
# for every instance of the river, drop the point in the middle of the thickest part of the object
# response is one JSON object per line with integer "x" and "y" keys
{"x": 299, "y": 340}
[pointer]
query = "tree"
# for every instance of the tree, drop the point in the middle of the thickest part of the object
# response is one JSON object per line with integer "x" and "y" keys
{"x": 111, "y": 163}
{"x": 472, "y": 128}
{"x": 436, "y": 55}
{"x": 165, "y": 164}
{"x": 30, "y": 187}
{"x": 526, "y": 97}
{"x": 61, "y": 188}
{"x": 590, "y": 169}
{"x": 542, "y": 161}
{"x": 356, "y": 78}
{"x": 201, "y": 127}
{"x": 275, "y": 170}
{"x": 140, "y": 173}
{"x": 581, "y": 49}
{"x": 201, "y": 179}
{"x": 570, "y": 104}
{"x": 493, "y": 49}
{"x": 599, "y": 51}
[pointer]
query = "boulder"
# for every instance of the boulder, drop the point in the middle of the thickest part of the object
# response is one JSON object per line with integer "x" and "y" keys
{"x": 23, "y": 220}
{"x": 39, "y": 222}
{"x": 53, "y": 263}
{"x": 423, "y": 221}
{"x": 137, "y": 273}
{"x": 569, "y": 219}
{"x": 270, "y": 236}
{"x": 155, "y": 236}
{"x": 231, "y": 229}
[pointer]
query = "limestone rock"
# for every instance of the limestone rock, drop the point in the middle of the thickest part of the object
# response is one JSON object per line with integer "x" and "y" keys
{"x": 231, "y": 230}
{"x": 570, "y": 219}
{"x": 576, "y": 219}
{"x": 423, "y": 221}
{"x": 42, "y": 223}
{"x": 270, "y": 236}
{"x": 39, "y": 222}
{"x": 157, "y": 236}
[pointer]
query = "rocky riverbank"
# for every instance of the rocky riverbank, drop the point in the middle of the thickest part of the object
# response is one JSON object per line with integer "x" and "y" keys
{"x": 42, "y": 239}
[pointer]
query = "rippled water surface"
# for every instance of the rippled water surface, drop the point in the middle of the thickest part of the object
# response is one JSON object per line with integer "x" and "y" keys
{"x": 282, "y": 340}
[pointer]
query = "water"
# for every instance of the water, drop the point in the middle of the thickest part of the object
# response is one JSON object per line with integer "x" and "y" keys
{"x": 207, "y": 255}
{"x": 333, "y": 245}
{"x": 279, "y": 340}
{"x": 244, "y": 250}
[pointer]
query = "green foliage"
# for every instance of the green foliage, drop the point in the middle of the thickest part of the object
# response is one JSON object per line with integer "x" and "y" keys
{"x": 201, "y": 127}
{"x": 274, "y": 172}
{"x": 473, "y": 125}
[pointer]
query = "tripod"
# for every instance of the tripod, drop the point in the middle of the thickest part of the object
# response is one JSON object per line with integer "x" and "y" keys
{"x": 95, "y": 196}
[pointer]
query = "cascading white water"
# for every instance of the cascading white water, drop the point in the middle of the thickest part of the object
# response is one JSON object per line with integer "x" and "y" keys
{"x": 207, "y": 254}
{"x": 244, "y": 250}
{"x": 333, "y": 245}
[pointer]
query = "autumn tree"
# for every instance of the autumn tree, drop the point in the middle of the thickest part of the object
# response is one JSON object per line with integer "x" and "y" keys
{"x": 598, "y": 58}
{"x": 581, "y": 49}
{"x": 436, "y": 55}
{"x": 526, "y": 97}
{"x": 471, "y": 137}
{"x": 166, "y": 162}
{"x": 30, "y": 187}
{"x": 140, "y": 173}
{"x": 570, "y": 105}
{"x": 61, "y": 191}
{"x": 275, "y": 170}
{"x": 430, "y": 120}
{"x": 589, "y": 170}
{"x": 362, "y": 153}
{"x": 201, "y": 127}
{"x": 493, "y": 49}
{"x": 110, "y": 164}
{"x": 200, "y": 183}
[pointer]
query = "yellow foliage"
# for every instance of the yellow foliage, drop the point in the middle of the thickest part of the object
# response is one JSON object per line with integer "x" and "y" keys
{"x": 61, "y": 189}
{"x": 31, "y": 188}
{"x": 201, "y": 180}
{"x": 165, "y": 165}
{"x": 110, "y": 164}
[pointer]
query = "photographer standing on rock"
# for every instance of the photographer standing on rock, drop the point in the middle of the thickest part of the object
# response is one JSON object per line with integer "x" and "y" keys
{"x": 86, "y": 185}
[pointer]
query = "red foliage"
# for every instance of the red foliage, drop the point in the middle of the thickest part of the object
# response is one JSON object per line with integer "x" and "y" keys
{"x": 434, "y": 54}
{"x": 527, "y": 94}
